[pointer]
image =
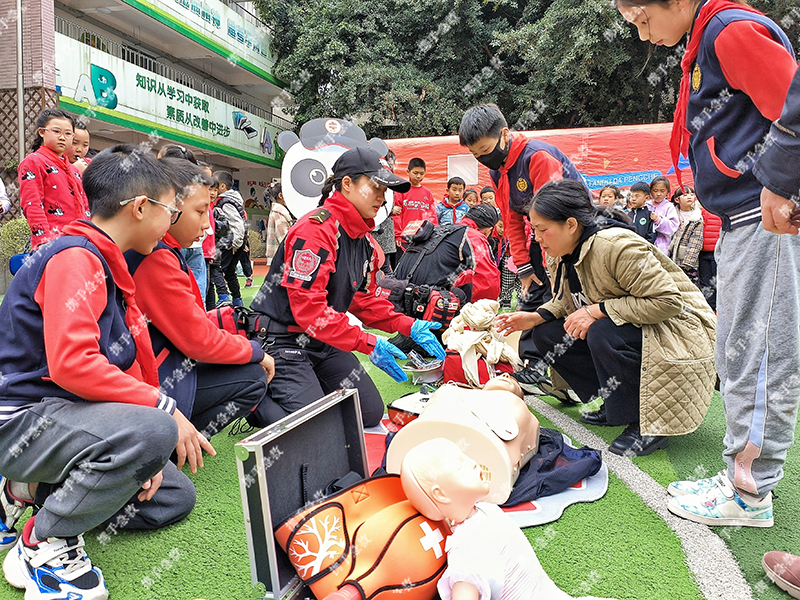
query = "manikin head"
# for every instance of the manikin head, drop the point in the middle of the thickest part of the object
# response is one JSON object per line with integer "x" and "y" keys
{"x": 441, "y": 481}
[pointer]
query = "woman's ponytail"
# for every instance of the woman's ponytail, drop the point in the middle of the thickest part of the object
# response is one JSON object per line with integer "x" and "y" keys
{"x": 327, "y": 188}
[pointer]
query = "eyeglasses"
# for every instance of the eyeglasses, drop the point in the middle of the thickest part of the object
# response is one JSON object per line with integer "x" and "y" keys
{"x": 174, "y": 213}
{"x": 58, "y": 132}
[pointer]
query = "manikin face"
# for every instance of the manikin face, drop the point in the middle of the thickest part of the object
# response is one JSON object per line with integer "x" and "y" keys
{"x": 504, "y": 382}
{"x": 658, "y": 23}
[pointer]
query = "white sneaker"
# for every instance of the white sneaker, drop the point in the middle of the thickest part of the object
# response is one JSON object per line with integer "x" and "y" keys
{"x": 57, "y": 569}
{"x": 723, "y": 505}
{"x": 688, "y": 487}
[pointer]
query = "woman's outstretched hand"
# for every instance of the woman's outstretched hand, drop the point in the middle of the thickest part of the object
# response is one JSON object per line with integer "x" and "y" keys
{"x": 517, "y": 321}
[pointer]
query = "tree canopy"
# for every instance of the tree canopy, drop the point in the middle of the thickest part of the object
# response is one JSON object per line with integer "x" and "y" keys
{"x": 404, "y": 68}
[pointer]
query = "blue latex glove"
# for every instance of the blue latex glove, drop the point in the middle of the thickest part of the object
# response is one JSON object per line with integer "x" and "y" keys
{"x": 421, "y": 333}
{"x": 383, "y": 357}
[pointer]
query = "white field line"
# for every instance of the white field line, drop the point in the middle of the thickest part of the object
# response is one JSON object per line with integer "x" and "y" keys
{"x": 716, "y": 570}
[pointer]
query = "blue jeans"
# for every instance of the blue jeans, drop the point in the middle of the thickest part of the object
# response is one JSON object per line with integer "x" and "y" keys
{"x": 197, "y": 263}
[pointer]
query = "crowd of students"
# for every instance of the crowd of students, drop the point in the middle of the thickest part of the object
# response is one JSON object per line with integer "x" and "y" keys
{"x": 680, "y": 227}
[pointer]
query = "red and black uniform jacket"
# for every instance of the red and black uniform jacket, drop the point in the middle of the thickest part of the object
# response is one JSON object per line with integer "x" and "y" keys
{"x": 51, "y": 194}
{"x": 181, "y": 332}
{"x": 327, "y": 265}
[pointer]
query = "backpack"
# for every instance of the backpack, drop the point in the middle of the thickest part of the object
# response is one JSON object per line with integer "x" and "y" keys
{"x": 422, "y": 301}
{"x": 222, "y": 230}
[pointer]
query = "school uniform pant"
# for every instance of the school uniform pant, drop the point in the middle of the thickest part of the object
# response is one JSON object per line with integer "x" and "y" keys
{"x": 307, "y": 371}
{"x": 225, "y": 393}
{"x": 244, "y": 260}
{"x": 758, "y": 352}
{"x": 707, "y": 274}
{"x": 218, "y": 279}
{"x": 606, "y": 364}
{"x": 197, "y": 264}
{"x": 91, "y": 459}
{"x": 227, "y": 262}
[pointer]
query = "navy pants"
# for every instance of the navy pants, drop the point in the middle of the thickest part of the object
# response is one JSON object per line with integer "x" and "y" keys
{"x": 607, "y": 364}
{"x": 307, "y": 372}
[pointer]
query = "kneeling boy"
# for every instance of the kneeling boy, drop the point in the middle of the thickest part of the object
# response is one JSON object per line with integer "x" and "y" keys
{"x": 230, "y": 376}
{"x": 85, "y": 432}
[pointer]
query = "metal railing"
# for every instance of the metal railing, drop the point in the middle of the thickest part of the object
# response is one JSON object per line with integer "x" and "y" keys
{"x": 154, "y": 65}
{"x": 248, "y": 16}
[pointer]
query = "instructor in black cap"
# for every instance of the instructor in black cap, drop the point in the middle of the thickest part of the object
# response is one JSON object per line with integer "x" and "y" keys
{"x": 326, "y": 266}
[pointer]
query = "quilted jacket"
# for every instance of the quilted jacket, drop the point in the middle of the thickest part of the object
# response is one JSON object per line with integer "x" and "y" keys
{"x": 638, "y": 284}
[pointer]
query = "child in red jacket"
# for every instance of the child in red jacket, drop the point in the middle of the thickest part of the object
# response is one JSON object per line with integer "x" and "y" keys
{"x": 215, "y": 376}
{"x": 50, "y": 189}
{"x": 80, "y": 408}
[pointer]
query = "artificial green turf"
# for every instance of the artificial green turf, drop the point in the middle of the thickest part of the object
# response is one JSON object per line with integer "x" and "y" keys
{"x": 699, "y": 455}
{"x": 614, "y": 547}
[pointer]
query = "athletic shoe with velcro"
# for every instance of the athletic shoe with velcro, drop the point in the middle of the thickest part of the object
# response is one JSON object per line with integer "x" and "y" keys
{"x": 689, "y": 487}
{"x": 55, "y": 569}
{"x": 11, "y": 510}
{"x": 723, "y": 505}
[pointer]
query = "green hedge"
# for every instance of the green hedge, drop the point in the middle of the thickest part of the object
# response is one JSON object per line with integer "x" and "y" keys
{"x": 15, "y": 237}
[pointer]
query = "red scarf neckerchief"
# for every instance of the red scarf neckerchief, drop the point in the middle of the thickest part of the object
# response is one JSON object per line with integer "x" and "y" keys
{"x": 134, "y": 319}
{"x": 74, "y": 186}
{"x": 679, "y": 141}
{"x": 173, "y": 243}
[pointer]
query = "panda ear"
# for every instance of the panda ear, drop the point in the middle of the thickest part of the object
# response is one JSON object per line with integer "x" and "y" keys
{"x": 379, "y": 146}
{"x": 287, "y": 139}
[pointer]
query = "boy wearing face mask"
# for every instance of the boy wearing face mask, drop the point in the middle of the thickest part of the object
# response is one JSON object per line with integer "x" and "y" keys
{"x": 518, "y": 168}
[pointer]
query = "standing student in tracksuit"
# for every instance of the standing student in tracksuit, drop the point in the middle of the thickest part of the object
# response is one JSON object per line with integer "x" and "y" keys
{"x": 327, "y": 265}
{"x": 777, "y": 170}
{"x": 518, "y": 167}
{"x": 728, "y": 100}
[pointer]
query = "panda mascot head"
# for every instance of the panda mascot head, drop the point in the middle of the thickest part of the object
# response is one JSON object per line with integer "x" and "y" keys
{"x": 309, "y": 161}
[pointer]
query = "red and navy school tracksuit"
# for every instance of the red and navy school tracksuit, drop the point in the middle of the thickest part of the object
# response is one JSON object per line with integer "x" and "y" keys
{"x": 737, "y": 85}
{"x": 75, "y": 410}
{"x": 486, "y": 278}
{"x": 51, "y": 194}
{"x": 731, "y": 108}
{"x": 325, "y": 266}
{"x": 212, "y": 374}
{"x": 516, "y": 184}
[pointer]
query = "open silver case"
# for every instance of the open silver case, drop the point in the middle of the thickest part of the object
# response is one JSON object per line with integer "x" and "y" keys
{"x": 287, "y": 465}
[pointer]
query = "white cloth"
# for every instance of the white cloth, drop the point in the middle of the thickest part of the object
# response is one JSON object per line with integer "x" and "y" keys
{"x": 5, "y": 203}
{"x": 472, "y": 334}
{"x": 489, "y": 551}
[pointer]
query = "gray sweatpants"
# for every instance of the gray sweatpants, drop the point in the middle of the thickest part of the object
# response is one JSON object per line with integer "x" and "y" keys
{"x": 94, "y": 457}
{"x": 758, "y": 352}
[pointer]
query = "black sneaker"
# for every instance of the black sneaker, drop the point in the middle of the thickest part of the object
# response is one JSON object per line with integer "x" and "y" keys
{"x": 11, "y": 510}
{"x": 532, "y": 381}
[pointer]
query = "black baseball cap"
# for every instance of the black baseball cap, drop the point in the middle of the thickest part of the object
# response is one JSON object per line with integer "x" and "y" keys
{"x": 363, "y": 161}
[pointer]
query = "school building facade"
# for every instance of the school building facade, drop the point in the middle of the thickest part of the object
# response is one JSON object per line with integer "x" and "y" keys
{"x": 192, "y": 72}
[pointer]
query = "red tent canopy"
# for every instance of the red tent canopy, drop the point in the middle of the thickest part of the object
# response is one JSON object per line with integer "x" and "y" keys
{"x": 620, "y": 155}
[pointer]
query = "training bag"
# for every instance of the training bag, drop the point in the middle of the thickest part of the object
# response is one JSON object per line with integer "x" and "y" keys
{"x": 454, "y": 369}
{"x": 237, "y": 319}
{"x": 367, "y": 539}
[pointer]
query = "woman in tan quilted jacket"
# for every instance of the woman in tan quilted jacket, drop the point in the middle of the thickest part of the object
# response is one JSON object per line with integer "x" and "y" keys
{"x": 625, "y": 323}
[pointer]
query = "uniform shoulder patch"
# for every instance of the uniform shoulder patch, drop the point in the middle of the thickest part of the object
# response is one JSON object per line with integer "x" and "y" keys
{"x": 320, "y": 215}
